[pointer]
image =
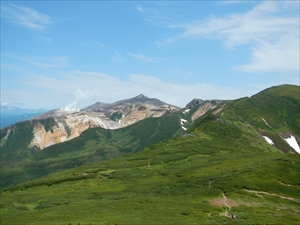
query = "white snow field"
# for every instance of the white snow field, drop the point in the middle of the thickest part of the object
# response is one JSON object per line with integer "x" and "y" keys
{"x": 268, "y": 140}
{"x": 293, "y": 143}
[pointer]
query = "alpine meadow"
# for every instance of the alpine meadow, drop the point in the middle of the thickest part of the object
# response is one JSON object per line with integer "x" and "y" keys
{"x": 233, "y": 164}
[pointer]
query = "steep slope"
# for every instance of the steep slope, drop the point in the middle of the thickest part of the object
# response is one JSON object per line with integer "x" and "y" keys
{"x": 274, "y": 113}
{"x": 20, "y": 163}
{"x": 220, "y": 166}
{"x": 200, "y": 107}
{"x": 65, "y": 124}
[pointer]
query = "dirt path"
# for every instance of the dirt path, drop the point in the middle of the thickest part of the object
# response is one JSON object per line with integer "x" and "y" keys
{"x": 289, "y": 185}
{"x": 272, "y": 194}
{"x": 225, "y": 201}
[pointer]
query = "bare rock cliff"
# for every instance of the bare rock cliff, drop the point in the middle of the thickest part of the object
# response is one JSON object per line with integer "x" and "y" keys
{"x": 68, "y": 125}
{"x": 205, "y": 106}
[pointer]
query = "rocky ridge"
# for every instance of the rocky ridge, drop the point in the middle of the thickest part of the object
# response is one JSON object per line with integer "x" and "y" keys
{"x": 60, "y": 125}
{"x": 204, "y": 106}
{"x": 67, "y": 125}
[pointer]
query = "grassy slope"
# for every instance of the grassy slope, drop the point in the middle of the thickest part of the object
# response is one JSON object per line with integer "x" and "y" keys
{"x": 279, "y": 106}
{"x": 178, "y": 181}
{"x": 20, "y": 163}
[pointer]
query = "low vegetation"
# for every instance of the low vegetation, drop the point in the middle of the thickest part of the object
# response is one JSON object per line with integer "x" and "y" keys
{"x": 220, "y": 166}
{"x": 20, "y": 162}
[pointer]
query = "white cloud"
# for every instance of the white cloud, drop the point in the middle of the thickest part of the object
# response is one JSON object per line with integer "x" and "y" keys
{"x": 181, "y": 94}
{"x": 142, "y": 58}
{"x": 43, "y": 39}
{"x": 93, "y": 44}
{"x": 139, "y": 8}
{"x": 48, "y": 62}
{"x": 176, "y": 71}
{"x": 229, "y": 2}
{"x": 79, "y": 89}
{"x": 157, "y": 18}
{"x": 116, "y": 57}
{"x": 268, "y": 28}
{"x": 280, "y": 56}
{"x": 25, "y": 17}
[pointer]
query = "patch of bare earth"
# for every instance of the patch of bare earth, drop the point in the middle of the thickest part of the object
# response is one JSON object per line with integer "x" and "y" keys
{"x": 225, "y": 201}
{"x": 221, "y": 202}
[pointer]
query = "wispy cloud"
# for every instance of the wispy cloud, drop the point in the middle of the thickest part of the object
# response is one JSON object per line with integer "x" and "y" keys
{"x": 93, "y": 44}
{"x": 81, "y": 88}
{"x": 117, "y": 57}
{"x": 229, "y": 2}
{"x": 25, "y": 17}
{"x": 157, "y": 18}
{"x": 273, "y": 36}
{"x": 283, "y": 55}
{"x": 139, "y": 8}
{"x": 43, "y": 39}
{"x": 23, "y": 63}
{"x": 254, "y": 26}
{"x": 181, "y": 94}
{"x": 176, "y": 71}
{"x": 142, "y": 58}
{"x": 47, "y": 63}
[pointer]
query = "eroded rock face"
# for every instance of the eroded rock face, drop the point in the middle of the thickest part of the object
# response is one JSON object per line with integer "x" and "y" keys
{"x": 43, "y": 139}
{"x": 69, "y": 125}
{"x": 67, "y": 128}
{"x": 138, "y": 113}
{"x": 206, "y": 106}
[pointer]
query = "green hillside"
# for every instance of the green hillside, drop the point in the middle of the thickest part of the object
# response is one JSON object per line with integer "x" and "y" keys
{"x": 274, "y": 112}
{"x": 21, "y": 163}
{"x": 220, "y": 166}
{"x": 279, "y": 106}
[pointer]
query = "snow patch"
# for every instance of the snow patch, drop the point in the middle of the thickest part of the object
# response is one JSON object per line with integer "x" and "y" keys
{"x": 186, "y": 111}
{"x": 268, "y": 140}
{"x": 293, "y": 143}
{"x": 181, "y": 122}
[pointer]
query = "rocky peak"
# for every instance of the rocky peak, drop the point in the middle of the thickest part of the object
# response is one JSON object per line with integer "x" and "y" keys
{"x": 141, "y": 96}
{"x": 194, "y": 103}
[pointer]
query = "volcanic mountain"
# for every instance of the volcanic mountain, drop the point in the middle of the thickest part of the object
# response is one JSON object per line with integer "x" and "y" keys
{"x": 61, "y": 125}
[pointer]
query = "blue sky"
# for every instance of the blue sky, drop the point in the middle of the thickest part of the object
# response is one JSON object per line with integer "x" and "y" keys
{"x": 73, "y": 54}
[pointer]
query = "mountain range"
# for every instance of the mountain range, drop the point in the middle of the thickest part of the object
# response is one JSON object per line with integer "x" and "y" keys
{"x": 12, "y": 114}
{"x": 140, "y": 160}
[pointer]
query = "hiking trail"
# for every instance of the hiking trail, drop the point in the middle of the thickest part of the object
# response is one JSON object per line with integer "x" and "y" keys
{"x": 225, "y": 201}
{"x": 258, "y": 193}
